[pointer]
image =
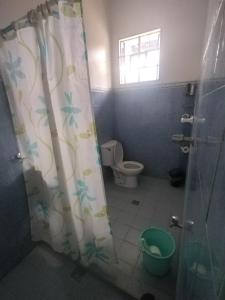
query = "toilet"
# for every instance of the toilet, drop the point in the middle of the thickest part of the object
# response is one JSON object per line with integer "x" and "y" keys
{"x": 125, "y": 172}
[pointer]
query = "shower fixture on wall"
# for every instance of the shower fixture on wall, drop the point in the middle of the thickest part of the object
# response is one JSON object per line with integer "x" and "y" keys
{"x": 191, "y": 89}
{"x": 187, "y": 118}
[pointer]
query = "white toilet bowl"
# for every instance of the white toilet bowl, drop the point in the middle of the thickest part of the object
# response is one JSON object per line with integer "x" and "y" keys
{"x": 125, "y": 172}
{"x": 131, "y": 167}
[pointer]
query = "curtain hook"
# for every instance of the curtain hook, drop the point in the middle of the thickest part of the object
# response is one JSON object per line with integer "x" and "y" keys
{"x": 48, "y": 8}
{"x": 1, "y": 42}
{"x": 38, "y": 10}
{"x": 2, "y": 35}
{"x": 42, "y": 8}
{"x": 16, "y": 26}
{"x": 13, "y": 24}
{"x": 42, "y": 11}
{"x": 30, "y": 16}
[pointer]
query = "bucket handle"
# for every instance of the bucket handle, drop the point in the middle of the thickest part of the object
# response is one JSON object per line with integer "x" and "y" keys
{"x": 146, "y": 249}
{"x": 143, "y": 245}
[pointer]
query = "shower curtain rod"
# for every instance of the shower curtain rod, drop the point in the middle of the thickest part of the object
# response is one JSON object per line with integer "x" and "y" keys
{"x": 47, "y": 4}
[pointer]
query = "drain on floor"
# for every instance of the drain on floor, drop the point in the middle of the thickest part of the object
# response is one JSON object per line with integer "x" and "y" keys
{"x": 78, "y": 272}
{"x": 135, "y": 202}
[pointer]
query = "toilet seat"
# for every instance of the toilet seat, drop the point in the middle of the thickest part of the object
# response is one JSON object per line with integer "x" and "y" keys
{"x": 125, "y": 172}
{"x": 126, "y": 167}
{"x": 130, "y": 167}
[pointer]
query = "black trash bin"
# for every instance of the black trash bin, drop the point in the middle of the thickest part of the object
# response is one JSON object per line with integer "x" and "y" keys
{"x": 177, "y": 177}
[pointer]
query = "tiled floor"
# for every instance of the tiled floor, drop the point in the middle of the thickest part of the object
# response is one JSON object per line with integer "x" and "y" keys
{"x": 158, "y": 201}
{"x": 45, "y": 275}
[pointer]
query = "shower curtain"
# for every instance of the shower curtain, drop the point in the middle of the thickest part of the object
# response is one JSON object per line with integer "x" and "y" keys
{"x": 44, "y": 67}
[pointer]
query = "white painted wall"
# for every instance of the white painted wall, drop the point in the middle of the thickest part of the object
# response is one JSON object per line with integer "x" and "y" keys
{"x": 11, "y": 10}
{"x": 97, "y": 32}
{"x": 182, "y": 23}
{"x": 213, "y": 8}
{"x": 96, "y": 20}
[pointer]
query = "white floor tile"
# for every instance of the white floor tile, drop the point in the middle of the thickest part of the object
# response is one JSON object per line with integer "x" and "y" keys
{"x": 133, "y": 236}
{"x": 158, "y": 202}
{"x": 166, "y": 284}
{"x": 125, "y": 267}
{"x": 27, "y": 282}
{"x": 129, "y": 253}
{"x": 5, "y": 294}
{"x": 114, "y": 213}
{"x": 141, "y": 223}
{"x": 117, "y": 244}
{"x": 119, "y": 230}
{"x": 126, "y": 218}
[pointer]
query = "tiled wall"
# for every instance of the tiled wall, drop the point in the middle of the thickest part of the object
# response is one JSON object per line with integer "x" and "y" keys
{"x": 205, "y": 243}
{"x": 144, "y": 119}
{"x": 102, "y": 104}
{"x": 207, "y": 204}
{"x": 15, "y": 240}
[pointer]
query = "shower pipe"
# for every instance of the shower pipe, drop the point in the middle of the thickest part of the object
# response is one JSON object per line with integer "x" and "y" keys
{"x": 44, "y": 9}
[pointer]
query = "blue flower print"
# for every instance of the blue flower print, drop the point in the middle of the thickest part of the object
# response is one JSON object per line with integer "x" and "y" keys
{"x": 82, "y": 192}
{"x": 32, "y": 148}
{"x": 43, "y": 209}
{"x": 98, "y": 154}
{"x": 43, "y": 112}
{"x": 71, "y": 111}
{"x": 13, "y": 68}
{"x": 92, "y": 251}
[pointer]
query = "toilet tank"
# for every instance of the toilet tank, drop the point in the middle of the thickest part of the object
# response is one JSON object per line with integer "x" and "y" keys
{"x": 107, "y": 151}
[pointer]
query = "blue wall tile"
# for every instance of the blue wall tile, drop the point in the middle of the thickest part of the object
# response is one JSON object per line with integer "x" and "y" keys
{"x": 102, "y": 104}
{"x": 15, "y": 238}
{"x": 145, "y": 120}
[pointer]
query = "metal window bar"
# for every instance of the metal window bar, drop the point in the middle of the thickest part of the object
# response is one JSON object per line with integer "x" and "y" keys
{"x": 124, "y": 81}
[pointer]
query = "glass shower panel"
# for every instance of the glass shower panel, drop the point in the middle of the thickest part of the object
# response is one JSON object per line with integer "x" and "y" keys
{"x": 195, "y": 273}
{"x": 202, "y": 262}
{"x": 216, "y": 227}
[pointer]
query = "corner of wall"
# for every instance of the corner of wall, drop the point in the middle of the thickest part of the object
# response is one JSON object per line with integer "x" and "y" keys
{"x": 98, "y": 43}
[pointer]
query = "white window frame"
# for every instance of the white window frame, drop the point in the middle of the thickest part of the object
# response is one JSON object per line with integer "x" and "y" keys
{"x": 123, "y": 82}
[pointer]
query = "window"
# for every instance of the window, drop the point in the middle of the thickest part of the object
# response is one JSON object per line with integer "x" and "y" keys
{"x": 139, "y": 57}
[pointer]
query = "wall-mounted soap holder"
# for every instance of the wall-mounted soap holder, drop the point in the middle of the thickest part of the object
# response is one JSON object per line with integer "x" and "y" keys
{"x": 182, "y": 140}
{"x": 191, "y": 89}
{"x": 187, "y": 118}
{"x": 187, "y": 140}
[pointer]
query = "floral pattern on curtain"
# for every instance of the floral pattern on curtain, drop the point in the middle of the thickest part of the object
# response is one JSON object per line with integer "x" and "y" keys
{"x": 44, "y": 68}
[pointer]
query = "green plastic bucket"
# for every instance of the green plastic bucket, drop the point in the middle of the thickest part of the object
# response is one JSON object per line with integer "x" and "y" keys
{"x": 158, "y": 247}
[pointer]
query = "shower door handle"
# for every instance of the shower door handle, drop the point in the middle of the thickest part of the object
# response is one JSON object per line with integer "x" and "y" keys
{"x": 175, "y": 222}
{"x": 17, "y": 157}
{"x": 189, "y": 224}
